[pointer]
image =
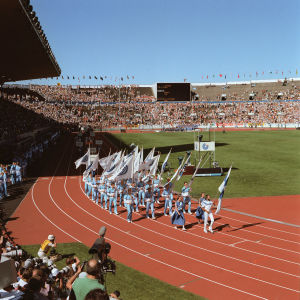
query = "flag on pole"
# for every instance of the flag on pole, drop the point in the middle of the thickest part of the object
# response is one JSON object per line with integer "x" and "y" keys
{"x": 154, "y": 165}
{"x": 183, "y": 168}
{"x": 92, "y": 166}
{"x": 195, "y": 173}
{"x": 84, "y": 160}
{"x": 222, "y": 190}
{"x": 179, "y": 168}
{"x": 150, "y": 155}
{"x": 163, "y": 166}
{"x": 126, "y": 171}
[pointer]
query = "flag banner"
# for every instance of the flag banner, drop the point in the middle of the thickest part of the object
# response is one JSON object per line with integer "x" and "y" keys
{"x": 142, "y": 155}
{"x": 222, "y": 190}
{"x": 163, "y": 166}
{"x": 154, "y": 165}
{"x": 84, "y": 160}
{"x": 179, "y": 168}
{"x": 126, "y": 171}
{"x": 183, "y": 168}
{"x": 115, "y": 159}
{"x": 219, "y": 203}
{"x": 224, "y": 183}
{"x": 137, "y": 162}
{"x": 93, "y": 166}
{"x": 150, "y": 155}
{"x": 207, "y": 146}
{"x": 195, "y": 173}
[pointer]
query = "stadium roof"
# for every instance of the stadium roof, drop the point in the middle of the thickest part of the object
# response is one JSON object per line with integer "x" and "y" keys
{"x": 25, "y": 52}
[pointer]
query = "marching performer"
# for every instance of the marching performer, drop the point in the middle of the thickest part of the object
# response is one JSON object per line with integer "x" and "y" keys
{"x": 128, "y": 202}
{"x": 102, "y": 193}
{"x": 168, "y": 195}
{"x": 206, "y": 206}
{"x": 156, "y": 190}
{"x": 199, "y": 211}
{"x": 112, "y": 194}
{"x": 177, "y": 218}
{"x": 149, "y": 198}
{"x": 185, "y": 192}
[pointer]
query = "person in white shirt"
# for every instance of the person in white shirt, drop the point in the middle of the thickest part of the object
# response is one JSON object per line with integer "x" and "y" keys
{"x": 206, "y": 205}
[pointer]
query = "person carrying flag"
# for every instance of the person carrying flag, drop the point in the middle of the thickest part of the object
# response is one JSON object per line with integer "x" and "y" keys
{"x": 206, "y": 205}
{"x": 112, "y": 194}
{"x": 128, "y": 202}
{"x": 149, "y": 198}
{"x": 102, "y": 193}
{"x": 177, "y": 218}
{"x": 199, "y": 211}
{"x": 156, "y": 190}
{"x": 168, "y": 195}
{"x": 185, "y": 192}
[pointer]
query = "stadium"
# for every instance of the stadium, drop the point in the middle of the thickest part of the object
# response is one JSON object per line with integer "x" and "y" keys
{"x": 112, "y": 187}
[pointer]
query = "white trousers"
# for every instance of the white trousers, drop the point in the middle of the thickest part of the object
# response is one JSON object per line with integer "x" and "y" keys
{"x": 211, "y": 217}
{"x": 41, "y": 254}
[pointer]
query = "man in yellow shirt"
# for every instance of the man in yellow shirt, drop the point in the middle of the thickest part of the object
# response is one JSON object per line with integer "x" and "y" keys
{"x": 46, "y": 245}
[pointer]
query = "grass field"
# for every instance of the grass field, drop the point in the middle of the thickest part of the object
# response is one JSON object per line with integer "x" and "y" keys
{"x": 265, "y": 163}
{"x": 131, "y": 283}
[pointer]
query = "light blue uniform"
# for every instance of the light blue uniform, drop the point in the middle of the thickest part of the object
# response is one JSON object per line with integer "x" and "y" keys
{"x": 94, "y": 189}
{"x": 102, "y": 194}
{"x": 120, "y": 189}
{"x": 12, "y": 174}
{"x": 156, "y": 190}
{"x": 168, "y": 195}
{"x": 149, "y": 198}
{"x": 128, "y": 202}
{"x": 140, "y": 186}
{"x": 18, "y": 173}
{"x": 112, "y": 195}
{"x": 185, "y": 192}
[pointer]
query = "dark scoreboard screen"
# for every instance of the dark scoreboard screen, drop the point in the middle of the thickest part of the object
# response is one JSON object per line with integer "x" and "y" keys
{"x": 173, "y": 92}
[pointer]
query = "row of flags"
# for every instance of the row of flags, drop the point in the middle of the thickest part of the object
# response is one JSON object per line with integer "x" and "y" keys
{"x": 246, "y": 75}
{"x": 94, "y": 77}
{"x": 119, "y": 166}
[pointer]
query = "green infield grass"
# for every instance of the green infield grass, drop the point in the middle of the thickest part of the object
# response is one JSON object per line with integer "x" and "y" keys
{"x": 132, "y": 284}
{"x": 265, "y": 163}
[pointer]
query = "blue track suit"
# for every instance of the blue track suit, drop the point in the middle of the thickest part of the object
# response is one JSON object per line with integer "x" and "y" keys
{"x": 167, "y": 194}
{"x": 149, "y": 198}
{"x": 102, "y": 194}
{"x": 156, "y": 188}
{"x": 185, "y": 192}
{"x": 128, "y": 202}
{"x": 112, "y": 195}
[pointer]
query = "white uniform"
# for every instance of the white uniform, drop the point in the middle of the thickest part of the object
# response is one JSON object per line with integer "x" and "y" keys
{"x": 207, "y": 204}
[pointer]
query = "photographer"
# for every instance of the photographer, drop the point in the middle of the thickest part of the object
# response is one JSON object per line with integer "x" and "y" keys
{"x": 73, "y": 263}
{"x": 82, "y": 286}
{"x": 46, "y": 245}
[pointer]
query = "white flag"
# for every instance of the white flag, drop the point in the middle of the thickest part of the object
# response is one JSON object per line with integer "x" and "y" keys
{"x": 207, "y": 146}
{"x": 154, "y": 165}
{"x": 150, "y": 155}
{"x": 126, "y": 171}
{"x": 163, "y": 166}
{"x": 179, "y": 168}
{"x": 222, "y": 190}
{"x": 224, "y": 183}
{"x": 113, "y": 168}
{"x": 92, "y": 166}
{"x": 84, "y": 160}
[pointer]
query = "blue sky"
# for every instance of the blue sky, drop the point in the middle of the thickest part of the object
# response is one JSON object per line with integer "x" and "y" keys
{"x": 169, "y": 40}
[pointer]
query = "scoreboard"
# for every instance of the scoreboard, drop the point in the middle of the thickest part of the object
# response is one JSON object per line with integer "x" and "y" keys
{"x": 173, "y": 91}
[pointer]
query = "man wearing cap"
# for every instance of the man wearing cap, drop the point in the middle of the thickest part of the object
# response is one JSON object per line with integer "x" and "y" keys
{"x": 46, "y": 245}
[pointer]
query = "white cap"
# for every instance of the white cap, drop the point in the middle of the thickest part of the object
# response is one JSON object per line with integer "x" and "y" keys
{"x": 50, "y": 263}
{"x": 27, "y": 263}
{"x": 51, "y": 237}
{"x": 54, "y": 272}
{"x": 45, "y": 260}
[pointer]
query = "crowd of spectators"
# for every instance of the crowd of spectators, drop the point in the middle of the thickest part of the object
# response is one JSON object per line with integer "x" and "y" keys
{"x": 39, "y": 277}
{"x": 102, "y": 94}
{"x": 159, "y": 114}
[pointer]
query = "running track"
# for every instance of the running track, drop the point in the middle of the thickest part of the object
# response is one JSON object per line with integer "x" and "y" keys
{"x": 246, "y": 258}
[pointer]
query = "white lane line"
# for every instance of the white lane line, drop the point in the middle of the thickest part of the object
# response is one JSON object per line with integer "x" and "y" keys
{"x": 180, "y": 254}
{"x": 270, "y": 228}
{"x": 239, "y": 243}
{"x": 171, "y": 266}
{"x": 199, "y": 236}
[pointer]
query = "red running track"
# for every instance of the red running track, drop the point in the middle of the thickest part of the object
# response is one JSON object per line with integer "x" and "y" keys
{"x": 237, "y": 262}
